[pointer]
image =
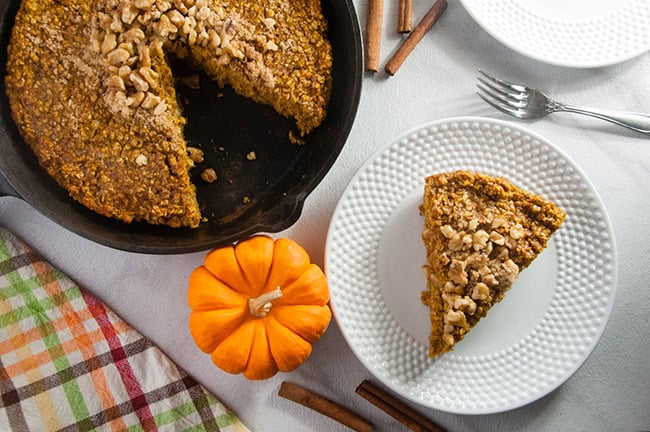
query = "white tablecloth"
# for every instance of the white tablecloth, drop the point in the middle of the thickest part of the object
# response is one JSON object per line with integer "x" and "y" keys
{"x": 611, "y": 391}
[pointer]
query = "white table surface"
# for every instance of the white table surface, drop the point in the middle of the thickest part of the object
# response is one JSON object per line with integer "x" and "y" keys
{"x": 611, "y": 391}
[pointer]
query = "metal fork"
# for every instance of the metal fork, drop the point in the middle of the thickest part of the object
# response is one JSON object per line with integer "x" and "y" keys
{"x": 529, "y": 103}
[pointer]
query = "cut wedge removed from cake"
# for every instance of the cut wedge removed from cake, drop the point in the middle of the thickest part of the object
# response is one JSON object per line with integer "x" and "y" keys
{"x": 479, "y": 233}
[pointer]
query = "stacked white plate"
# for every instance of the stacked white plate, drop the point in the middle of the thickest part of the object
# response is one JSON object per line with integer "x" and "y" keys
{"x": 573, "y": 33}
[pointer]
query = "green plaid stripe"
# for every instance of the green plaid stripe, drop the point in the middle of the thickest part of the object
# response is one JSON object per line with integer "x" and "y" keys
{"x": 58, "y": 343}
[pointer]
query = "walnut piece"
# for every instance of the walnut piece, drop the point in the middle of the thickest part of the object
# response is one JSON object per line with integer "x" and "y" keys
{"x": 196, "y": 154}
{"x": 141, "y": 160}
{"x": 209, "y": 175}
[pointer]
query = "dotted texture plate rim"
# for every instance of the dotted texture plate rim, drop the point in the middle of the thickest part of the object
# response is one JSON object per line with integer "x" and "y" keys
{"x": 570, "y": 324}
{"x": 573, "y": 40}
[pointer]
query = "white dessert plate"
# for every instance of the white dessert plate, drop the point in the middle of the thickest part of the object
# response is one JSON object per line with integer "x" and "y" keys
{"x": 528, "y": 344}
{"x": 575, "y": 33}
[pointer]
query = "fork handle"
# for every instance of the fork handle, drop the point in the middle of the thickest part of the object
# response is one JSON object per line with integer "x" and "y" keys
{"x": 635, "y": 121}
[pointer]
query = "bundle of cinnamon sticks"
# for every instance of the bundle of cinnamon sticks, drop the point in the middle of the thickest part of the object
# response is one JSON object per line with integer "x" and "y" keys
{"x": 374, "y": 25}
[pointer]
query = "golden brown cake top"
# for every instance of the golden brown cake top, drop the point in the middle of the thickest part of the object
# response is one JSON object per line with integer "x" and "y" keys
{"x": 479, "y": 232}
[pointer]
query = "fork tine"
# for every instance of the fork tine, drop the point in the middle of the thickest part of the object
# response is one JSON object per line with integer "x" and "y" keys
{"x": 500, "y": 92}
{"x": 503, "y": 83}
{"x": 503, "y": 108}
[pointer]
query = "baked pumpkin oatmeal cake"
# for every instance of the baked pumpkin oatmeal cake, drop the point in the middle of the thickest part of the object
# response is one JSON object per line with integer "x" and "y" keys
{"x": 480, "y": 232}
{"x": 92, "y": 92}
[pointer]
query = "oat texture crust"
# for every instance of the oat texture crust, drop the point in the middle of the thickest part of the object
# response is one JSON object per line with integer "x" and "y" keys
{"x": 92, "y": 93}
{"x": 479, "y": 233}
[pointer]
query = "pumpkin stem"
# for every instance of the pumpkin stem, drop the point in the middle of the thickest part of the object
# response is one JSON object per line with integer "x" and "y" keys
{"x": 260, "y": 306}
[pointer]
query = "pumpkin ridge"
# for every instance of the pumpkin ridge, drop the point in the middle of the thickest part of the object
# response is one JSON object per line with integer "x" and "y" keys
{"x": 260, "y": 363}
{"x": 253, "y": 288}
{"x": 229, "y": 354}
{"x": 307, "y": 321}
{"x": 243, "y": 273}
{"x": 303, "y": 289}
{"x": 219, "y": 262}
{"x": 199, "y": 333}
{"x": 285, "y": 364}
{"x": 287, "y": 254}
{"x": 220, "y": 294}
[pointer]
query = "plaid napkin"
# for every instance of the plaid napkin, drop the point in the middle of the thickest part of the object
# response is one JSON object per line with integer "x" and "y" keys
{"x": 69, "y": 363}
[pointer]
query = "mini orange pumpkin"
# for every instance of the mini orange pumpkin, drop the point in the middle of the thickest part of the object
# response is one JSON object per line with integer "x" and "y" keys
{"x": 258, "y": 306}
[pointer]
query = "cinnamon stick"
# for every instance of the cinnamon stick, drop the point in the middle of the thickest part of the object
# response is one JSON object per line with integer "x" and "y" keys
{"x": 396, "y": 409}
{"x": 436, "y": 11}
{"x": 373, "y": 34}
{"x": 311, "y": 400}
{"x": 405, "y": 16}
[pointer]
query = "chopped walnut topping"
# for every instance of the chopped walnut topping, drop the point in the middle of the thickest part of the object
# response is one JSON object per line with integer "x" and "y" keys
{"x": 118, "y": 56}
{"x": 497, "y": 238}
{"x": 490, "y": 279}
{"x": 467, "y": 241}
{"x": 141, "y": 160}
{"x": 456, "y": 242}
{"x": 456, "y": 318}
{"x": 269, "y": 23}
{"x": 133, "y": 35}
{"x": 271, "y": 46}
{"x": 251, "y": 156}
{"x": 497, "y": 222}
{"x": 129, "y": 14}
{"x": 480, "y": 239}
{"x": 160, "y": 108}
{"x": 135, "y": 29}
{"x": 457, "y": 272}
{"x": 196, "y": 154}
{"x": 150, "y": 101}
{"x": 480, "y": 291}
{"x": 465, "y": 304}
{"x": 143, "y": 4}
{"x": 109, "y": 43}
{"x": 176, "y": 18}
{"x": 477, "y": 260}
{"x": 449, "y": 298}
{"x": 447, "y": 231}
{"x": 124, "y": 71}
{"x": 209, "y": 175}
{"x": 138, "y": 81}
{"x": 511, "y": 267}
{"x": 450, "y": 287}
{"x": 135, "y": 100}
{"x": 516, "y": 232}
{"x": 150, "y": 76}
{"x": 116, "y": 82}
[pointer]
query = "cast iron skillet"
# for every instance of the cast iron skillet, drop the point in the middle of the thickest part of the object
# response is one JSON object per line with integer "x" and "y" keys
{"x": 262, "y": 195}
